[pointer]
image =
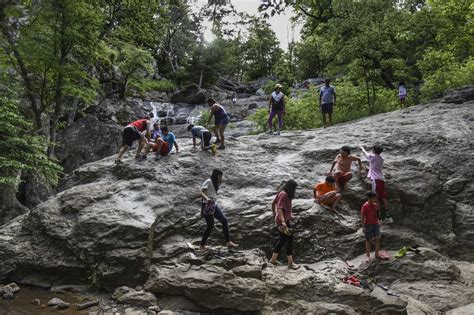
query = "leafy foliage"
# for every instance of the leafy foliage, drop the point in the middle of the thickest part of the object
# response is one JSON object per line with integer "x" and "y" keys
{"x": 19, "y": 150}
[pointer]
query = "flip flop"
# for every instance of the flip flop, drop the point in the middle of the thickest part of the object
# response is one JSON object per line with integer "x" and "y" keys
{"x": 382, "y": 286}
{"x": 401, "y": 252}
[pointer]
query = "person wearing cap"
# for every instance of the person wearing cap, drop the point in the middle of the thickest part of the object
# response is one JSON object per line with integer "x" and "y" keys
{"x": 326, "y": 195}
{"x": 327, "y": 99}
{"x": 276, "y": 106}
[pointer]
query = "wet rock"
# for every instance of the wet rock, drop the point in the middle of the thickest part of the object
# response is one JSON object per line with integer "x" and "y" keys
{"x": 36, "y": 302}
{"x": 58, "y": 303}
{"x": 68, "y": 288}
{"x": 12, "y": 288}
{"x": 191, "y": 94}
{"x": 86, "y": 305}
{"x": 126, "y": 295}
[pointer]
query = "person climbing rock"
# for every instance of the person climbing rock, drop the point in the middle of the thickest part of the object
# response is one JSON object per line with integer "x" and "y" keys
{"x": 370, "y": 224}
{"x": 156, "y": 133}
{"x": 282, "y": 209}
{"x": 325, "y": 193}
{"x": 327, "y": 100}
{"x": 375, "y": 174}
{"x": 343, "y": 163}
{"x": 137, "y": 130}
{"x": 162, "y": 146}
{"x": 276, "y": 106}
{"x": 211, "y": 210}
{"x": 221, "y": 119}
{"x": 402, "y": 93}
{"x": 201, "y": 133}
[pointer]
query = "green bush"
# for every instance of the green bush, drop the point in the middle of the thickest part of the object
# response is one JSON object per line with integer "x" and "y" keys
{"x": 303, "y": 112}
{"x": 203, "y": 118}
{"x": 142, "y": 86}
{"x": 449, "y": 75}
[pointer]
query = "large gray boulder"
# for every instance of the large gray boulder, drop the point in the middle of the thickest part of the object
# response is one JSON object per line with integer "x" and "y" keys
{"x": 87, "y": 140}
{"x": 191, "y": 94}
{"x": 139, "y": 223}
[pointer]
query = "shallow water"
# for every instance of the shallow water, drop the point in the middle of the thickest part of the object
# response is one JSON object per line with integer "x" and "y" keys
{"x": 22, "y": 302}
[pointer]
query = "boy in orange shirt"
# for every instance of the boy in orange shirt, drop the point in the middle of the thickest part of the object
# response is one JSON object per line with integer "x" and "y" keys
{"x": 326, "y": 195}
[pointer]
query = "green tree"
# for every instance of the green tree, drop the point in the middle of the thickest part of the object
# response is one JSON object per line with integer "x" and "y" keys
{"x": 262, "y": 51}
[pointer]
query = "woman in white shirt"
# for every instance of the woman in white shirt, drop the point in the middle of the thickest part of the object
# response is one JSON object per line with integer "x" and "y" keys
{"x": 210, "y": 210}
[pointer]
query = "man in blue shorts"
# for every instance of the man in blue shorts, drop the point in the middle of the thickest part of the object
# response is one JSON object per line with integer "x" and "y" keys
{"x": 327, "y": 99}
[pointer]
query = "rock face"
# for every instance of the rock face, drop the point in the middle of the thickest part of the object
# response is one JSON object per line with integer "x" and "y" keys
{"x": 87, "y": 140}
{"x": 138, "y": 223}
{"x": 191, "y": 94}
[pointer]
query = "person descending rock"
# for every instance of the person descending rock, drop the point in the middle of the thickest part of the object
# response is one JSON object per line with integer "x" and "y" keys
{"x": 221, "y": 119}
{"x": 325, "y": 193}
{"x": 162, "y": 146}
{"x": 156, "y": 133}
{"x": 276, "y": 106}
{"x": 210, "y": 209}
{"x": 327, "y": 99}
{"x": 343, "y": 163}
{"x": 201, "y": 133}
{"x": 137, "y": 130}
{"x": 375, "y": 174}
{"x": 402, "y": 93}
{"x": 370, "y": 224}
{"x": 281, "y": 207}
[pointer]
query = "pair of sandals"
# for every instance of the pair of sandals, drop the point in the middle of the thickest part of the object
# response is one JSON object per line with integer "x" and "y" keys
{"x": 403, "y": 251}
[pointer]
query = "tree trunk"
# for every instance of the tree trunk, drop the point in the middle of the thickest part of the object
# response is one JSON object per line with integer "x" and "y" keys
{"x": 72, "y": 113}
{"x": 58, "y": 95}
{"x": 6, "y": 31}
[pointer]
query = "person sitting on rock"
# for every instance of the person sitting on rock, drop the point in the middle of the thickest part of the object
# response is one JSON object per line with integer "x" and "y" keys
{"x": 162, "y": 146}
{"x": 201, "y": 133}
{"x": 156, "y": 133}
{"x": 137, "y": 130}
{"x": 221, "y": 119}
{"x": 375, "y": 174}
{"x": 276, "y": 106}
{"x": 370, "y": 224}
{"x": 210, "y": 209}
{"x": 326, "y": 195}
{"x": 282, "y": 209}
{"x": 343, "y": 163}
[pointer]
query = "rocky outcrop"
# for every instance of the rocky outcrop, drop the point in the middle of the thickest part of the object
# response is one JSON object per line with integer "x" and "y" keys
{"x": 87, "y": 140}
{"x": 191, "y": 94}
{"x": 138, "y": 223}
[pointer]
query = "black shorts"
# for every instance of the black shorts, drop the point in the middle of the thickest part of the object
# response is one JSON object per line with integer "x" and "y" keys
{"x": 326, "y": 108}
{"x": 206, "y": 138}
{"x": 129, "y": 135}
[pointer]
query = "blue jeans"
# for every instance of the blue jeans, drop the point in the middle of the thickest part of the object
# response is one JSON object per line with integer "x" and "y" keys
{"x": 210, "y": 224}
{"x": 280, "y": 118}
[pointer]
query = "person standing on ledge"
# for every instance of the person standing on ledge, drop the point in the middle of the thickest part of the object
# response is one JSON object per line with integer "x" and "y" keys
{"x": 402, "y": 93}
{"x": 276, "y": 106}
{"x": 327, "y": 99}
{"x": 221, "y": 119}
{"x": 137, "y": 130}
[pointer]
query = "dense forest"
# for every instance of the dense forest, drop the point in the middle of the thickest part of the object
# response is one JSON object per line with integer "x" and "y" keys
{"x": 58, "y": 56}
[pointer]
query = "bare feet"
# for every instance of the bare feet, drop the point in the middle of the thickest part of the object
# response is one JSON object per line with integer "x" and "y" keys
{"x": 367, "y": 259}
{"x": 231, "y": 244}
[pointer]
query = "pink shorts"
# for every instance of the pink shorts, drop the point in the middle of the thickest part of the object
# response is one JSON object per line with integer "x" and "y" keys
{"x": 378, "y": 186}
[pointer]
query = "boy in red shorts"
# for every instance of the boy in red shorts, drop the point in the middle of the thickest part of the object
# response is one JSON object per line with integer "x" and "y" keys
{"x": 326, "y": 194}
{"x": 342, "y": 163}
{"x": 378, "y": 181}
{"x": 370, "y": 224}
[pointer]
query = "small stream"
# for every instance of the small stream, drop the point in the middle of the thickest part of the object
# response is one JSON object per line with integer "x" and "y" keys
{"x": 22, "y": 304}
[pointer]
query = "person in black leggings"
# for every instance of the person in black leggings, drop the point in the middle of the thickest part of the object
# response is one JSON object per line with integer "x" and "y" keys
{"x": 282, "y": 209}
{"x": 209, "y": 193}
